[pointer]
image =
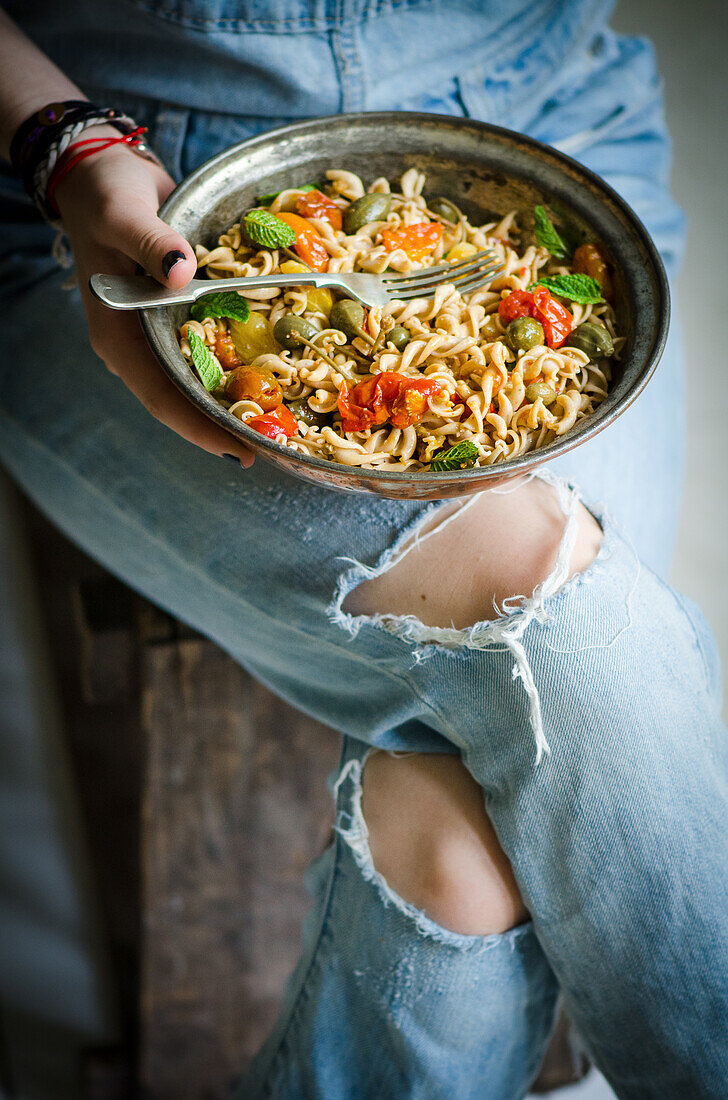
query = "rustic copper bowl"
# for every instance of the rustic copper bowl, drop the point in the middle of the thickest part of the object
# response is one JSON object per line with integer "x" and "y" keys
{"x": 487, "y": 171}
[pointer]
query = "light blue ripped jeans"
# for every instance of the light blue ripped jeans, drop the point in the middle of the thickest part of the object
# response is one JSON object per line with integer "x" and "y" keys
{"x": 618, "y": 835}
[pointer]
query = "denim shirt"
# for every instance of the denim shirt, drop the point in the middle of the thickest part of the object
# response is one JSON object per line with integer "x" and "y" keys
{"x": 249, "y": 65}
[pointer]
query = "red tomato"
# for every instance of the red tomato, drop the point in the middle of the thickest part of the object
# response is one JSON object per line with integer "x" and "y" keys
{"x": 355, "y": 417}
{"x": 416, "y": 240}
{"x": 556, "y": 320}
{"x": 388, "y": 396}
{"x": 314, "y": 204}
{"x": 280, "y": 421}
{"x": 411, "y": 405}
{"x": 309, "y": 245}
{"x": 519, "y": 303}
{"x": 543, "y": 307}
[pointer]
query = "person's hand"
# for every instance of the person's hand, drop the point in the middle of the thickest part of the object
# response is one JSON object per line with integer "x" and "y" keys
{"x": 108, "y": 204}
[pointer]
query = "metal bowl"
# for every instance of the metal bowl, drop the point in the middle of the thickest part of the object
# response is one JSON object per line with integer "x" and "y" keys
{"x": 484, "y": 169}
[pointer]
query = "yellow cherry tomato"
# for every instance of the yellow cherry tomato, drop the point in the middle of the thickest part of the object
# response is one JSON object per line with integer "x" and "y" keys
{"x": 461, "y": 251}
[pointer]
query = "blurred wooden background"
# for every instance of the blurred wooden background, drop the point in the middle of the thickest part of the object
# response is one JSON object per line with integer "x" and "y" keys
{"x": 204, "y": 798}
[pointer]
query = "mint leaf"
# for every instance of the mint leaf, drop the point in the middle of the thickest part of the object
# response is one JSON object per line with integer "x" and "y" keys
{"x": 266, "y": 200}
{"x": 459, "y": 457}
{"x": 206, "y": 364}
{"x": 266, "y": 230}
{"x": 546, "y": 235}
{"x": 578, "y": 288}
{"x": 226, "y": 304}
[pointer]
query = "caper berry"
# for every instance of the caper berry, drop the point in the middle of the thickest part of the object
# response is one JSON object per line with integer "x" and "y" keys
{"x": 369, "y": 208}
{"x": 399, "y": 336}
{"x": 542, "y": 390}
{"x": 348, "y": 317}
{"x": 592, "y": 339}
{"x": 303, "y": 411}
{"x": 288, "y": 330}
{"x": 524, "y": 333}
{"x": 444, "y": 209}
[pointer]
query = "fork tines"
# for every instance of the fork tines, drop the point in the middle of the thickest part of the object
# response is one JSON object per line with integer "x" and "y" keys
{"x": 467, "y": 274}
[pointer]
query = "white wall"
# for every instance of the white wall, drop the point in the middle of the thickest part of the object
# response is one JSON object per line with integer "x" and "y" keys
{"x": 692, "y": 42}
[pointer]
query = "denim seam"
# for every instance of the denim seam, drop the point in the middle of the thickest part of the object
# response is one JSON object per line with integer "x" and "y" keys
{"x": 290, "y": 25}
{"x": 324, "y": 929}
{"x": 281, "y": 1051}
{"x": 348, "y": 61}
{"x": 171, "y": 127}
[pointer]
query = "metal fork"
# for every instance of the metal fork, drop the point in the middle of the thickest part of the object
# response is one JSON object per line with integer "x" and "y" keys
{"x": 144, "y": 292}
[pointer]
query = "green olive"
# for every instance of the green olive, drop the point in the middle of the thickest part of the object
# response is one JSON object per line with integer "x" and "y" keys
{"x": 288, "y": 329}
{"x": 542, "y": 390}
{"x": 399, "y": 336}
{"x": 348, "y": 317}
{"x": 303, "y": 411}
{"x": 369, "y": 208}
{"x": 592, "y": 339}
{"x": 444, "y": 209}
{"x": 524, "y": 333}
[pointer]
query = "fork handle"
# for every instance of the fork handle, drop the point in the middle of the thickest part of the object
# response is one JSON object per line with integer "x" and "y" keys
{"x": 144, "y": 292}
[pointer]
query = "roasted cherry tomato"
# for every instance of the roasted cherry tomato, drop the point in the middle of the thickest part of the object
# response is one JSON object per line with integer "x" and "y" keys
{"x": 554, "y": 318}
{"x": 280, "y": 421}
{"x": 411, "y": 405}
{"x": 252, "y": 384}
{"x": 589, "y": 260}
{"x": 388, "y": 396}
{"x": 416, "y": 240}
{"x": 309, "y": 244}
{"x": 225, "y": 351}
{"x": 519, "y": 303}
{"x": 314, "y": 204}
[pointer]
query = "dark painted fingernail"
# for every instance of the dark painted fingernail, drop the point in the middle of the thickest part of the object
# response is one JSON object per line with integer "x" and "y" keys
{"x": 171, "y": 260}
{"x": 232, "y": 458}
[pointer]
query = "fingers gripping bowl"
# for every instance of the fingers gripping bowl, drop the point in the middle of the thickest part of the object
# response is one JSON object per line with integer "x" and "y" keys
{"x": 486, "y": 171}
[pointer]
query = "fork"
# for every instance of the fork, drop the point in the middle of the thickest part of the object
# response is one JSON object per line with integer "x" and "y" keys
{"x": 144, "y": 292}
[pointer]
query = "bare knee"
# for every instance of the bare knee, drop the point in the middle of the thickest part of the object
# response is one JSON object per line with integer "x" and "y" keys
{"x": 503, "y": 545}
{"x": 433, "y": 843}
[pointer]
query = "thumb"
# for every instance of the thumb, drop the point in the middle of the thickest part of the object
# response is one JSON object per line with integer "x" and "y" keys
{"x": 149, "y": 241}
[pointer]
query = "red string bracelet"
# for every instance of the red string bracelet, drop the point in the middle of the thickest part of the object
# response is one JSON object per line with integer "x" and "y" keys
{"x": 71, "y": 158}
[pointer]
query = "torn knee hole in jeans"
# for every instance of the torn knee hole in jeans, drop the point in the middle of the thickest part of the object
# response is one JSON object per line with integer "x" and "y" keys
{"x": 353, "y": 830}
{"x": 513, "y": 617}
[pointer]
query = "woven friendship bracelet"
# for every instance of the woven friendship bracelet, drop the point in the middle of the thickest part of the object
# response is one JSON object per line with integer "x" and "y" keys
{"x": 43, "y": 139}
{"x": 37, "y": 187}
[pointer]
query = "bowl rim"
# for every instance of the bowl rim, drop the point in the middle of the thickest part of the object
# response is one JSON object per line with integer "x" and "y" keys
{"x": 401, "y": 477}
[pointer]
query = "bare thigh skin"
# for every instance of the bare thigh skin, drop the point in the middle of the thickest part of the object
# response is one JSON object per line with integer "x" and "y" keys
{"x": 430, "y": 836}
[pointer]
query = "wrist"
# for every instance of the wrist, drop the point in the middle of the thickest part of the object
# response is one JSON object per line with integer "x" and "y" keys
{"x": 93, "y": 167}
{"x": 52, "y": 142}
